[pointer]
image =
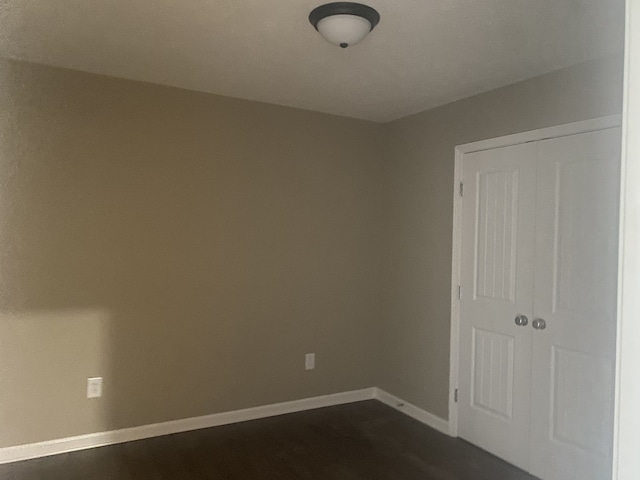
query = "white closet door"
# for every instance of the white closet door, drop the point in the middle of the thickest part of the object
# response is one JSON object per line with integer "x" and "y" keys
{"x": 575, "y": 295}
{"x": 496, "y": 279}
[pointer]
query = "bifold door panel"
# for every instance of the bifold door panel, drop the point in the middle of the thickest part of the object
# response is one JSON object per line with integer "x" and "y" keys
{"x": 497, "y": 282}
{"x": 575, "y": 293}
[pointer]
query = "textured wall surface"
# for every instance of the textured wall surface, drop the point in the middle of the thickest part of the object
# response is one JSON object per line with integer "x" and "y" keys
{"x": 421, "y": 151}
{"x": 188, "y": 248}
{"x": 191, "y": 248}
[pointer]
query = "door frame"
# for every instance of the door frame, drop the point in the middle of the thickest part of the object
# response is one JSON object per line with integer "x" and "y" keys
{"x": 601, "y": 123}
{"x": 626, "y": 462}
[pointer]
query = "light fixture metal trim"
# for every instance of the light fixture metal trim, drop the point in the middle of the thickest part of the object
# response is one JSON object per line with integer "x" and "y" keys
{"x": 344, "y": 8}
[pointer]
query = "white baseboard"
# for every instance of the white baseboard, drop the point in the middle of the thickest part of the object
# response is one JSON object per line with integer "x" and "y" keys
{"x": 423, "y": 416}
{"x": 93, "y": 440}
{"x": 100, "y": 439}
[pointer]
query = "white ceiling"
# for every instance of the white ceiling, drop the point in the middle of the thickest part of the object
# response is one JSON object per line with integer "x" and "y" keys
{"x": 423, "y": 53}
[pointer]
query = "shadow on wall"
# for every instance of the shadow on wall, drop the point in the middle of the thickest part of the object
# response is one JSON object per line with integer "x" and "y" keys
{"x": 188, "y": 248}
{"x": 42, "y": 355}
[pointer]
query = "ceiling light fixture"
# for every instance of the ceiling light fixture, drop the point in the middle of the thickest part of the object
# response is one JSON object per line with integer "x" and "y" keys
{"x": 344, "y": 23}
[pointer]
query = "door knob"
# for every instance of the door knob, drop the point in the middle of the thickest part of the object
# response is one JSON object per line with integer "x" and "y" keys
{"x": 539, "y": 324}
{"x": 522, "y": 320}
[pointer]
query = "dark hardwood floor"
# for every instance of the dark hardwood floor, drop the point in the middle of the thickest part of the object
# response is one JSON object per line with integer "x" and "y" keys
{"x": 364, "y": 440}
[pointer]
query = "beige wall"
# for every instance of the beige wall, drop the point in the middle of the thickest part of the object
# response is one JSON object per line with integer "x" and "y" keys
{"x": 187, "y": 247}
{"x": 420, "y": 151}
{"x": 191, "y": 248}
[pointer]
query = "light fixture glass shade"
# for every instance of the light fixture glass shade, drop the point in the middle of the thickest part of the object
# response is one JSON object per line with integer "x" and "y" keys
{"x": 344, "y": 30}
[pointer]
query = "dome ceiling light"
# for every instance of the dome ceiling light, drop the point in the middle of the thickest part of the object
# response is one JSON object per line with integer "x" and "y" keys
{"x": 344, "y": 23}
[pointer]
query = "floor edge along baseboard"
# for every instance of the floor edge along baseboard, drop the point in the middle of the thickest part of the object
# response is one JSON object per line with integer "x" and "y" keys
{"x": 100, "y": 439}
{"x": 412, "y": 411}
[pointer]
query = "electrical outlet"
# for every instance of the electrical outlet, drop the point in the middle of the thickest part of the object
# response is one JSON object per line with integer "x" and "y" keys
{"x": 310, "y": 361}
{"x": 94, "y": 387}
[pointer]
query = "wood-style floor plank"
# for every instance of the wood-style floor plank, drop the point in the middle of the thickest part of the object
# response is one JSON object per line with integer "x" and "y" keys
{"x": 359, "y": 441}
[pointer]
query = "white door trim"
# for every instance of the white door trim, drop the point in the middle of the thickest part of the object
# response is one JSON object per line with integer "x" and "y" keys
{"x": 584, "y": 126}
{"x": 626, "y": 444}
